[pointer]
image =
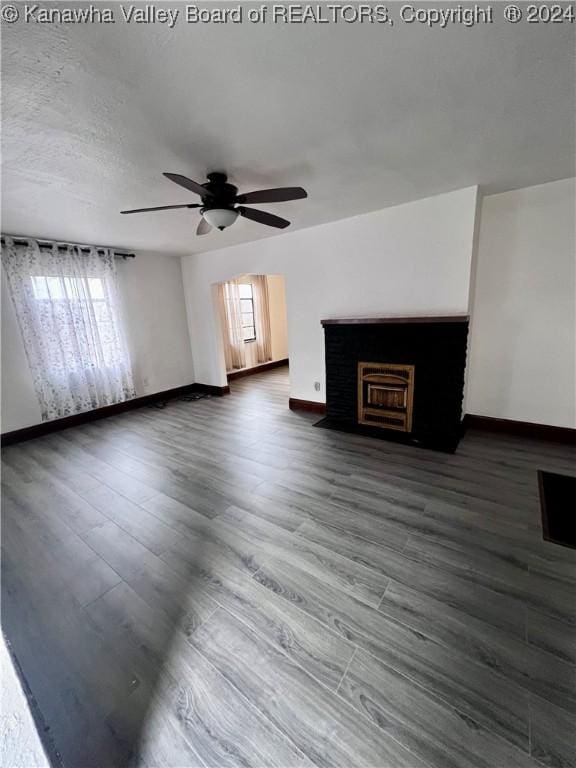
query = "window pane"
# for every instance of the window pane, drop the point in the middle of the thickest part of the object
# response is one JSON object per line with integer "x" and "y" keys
{"x": 245, "y": 290}
{"x": 46, "y": 287}
{"x": 247, "y": 319}
{"x": 55, "y": 288}
{"x": 72, "y": 288}
{"x": 57, "y": 294}
{"x": 248, "y": 333}
{"x": 96, "y": 287}
{"x": 40, "y": 288}
{"x": 246, "y": 305}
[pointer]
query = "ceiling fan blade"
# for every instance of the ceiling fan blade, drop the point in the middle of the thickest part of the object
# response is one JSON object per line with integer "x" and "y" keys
{"x": 279, "y": 195}
{"x": 263, "y": 217}
{"x": 163, "y": 208}
{"x": 203, "y": 227}
{"x": 187, "y": 183}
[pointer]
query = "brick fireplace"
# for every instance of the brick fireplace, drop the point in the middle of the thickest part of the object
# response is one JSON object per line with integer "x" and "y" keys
{"x": 398, "y": 378}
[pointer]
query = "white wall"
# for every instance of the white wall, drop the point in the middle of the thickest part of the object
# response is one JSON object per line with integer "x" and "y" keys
{"x": 523, "y": 337}
{"x": 155, "y": 316}
{"x": 278, "y": 319}
{"x": 410, "y": 259}
{"x": 156, "y": 322}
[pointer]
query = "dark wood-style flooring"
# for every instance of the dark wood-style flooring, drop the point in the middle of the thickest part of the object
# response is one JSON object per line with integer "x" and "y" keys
{"x": 220, "y": 584}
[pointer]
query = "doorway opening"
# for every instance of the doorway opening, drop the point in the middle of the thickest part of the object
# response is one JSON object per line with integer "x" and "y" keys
{"x": 253, "y": 324}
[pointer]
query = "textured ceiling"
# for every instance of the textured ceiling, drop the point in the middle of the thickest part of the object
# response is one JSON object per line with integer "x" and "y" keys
{"x": 363, "y": 116}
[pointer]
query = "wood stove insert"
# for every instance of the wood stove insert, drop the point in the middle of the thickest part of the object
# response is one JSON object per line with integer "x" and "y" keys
{"x": 386, "y": 395}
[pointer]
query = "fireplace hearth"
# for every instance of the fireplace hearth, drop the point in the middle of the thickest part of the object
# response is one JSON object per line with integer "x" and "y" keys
{"x": 397, "y": 378}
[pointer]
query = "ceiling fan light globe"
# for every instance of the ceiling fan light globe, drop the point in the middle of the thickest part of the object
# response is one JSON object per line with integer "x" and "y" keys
{"x": 220, "y": 218}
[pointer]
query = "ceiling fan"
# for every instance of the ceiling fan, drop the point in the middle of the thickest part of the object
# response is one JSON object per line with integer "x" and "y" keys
{"x": 219, "y": 207}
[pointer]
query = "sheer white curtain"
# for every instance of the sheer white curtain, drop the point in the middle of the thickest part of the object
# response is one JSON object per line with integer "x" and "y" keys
{"x": 231, "y": 321}
{"x": 69, "y": 312}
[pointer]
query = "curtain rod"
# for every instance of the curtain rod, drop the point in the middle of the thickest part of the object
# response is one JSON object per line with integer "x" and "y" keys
{"x": 62, "y": 246}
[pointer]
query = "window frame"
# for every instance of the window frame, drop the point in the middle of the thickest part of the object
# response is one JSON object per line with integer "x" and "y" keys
{"x": 252, "y": 325}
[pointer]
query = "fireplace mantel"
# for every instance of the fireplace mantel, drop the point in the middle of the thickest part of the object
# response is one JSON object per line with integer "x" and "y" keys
{"x": 396, "y": 319}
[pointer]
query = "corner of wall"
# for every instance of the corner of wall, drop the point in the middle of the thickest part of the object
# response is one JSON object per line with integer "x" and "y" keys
{"x": 187, "y": 307}
{"x": 472, "y": 288}
{"x": 205, "y": 342}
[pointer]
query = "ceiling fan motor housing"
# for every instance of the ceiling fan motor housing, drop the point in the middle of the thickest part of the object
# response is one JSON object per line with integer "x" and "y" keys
{"x": 218, "y": 208}
{"x": 222, "y": 192}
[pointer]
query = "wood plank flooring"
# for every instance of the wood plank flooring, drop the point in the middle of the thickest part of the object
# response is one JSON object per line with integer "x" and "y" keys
{"x": 220, "y": 584}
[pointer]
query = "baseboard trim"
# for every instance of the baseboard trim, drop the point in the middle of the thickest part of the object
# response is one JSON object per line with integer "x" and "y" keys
{"x": 521, "y": 428}
{"x": 210, "y": 389}
{"x": 306, "y": 405}
{"x": 240, "y": 374}
{"x": 57, "y": 425}
{"x": 471, "y": 421}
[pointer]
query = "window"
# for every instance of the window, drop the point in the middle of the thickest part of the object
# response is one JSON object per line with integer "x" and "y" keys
{"x": 68, "y": 302}
{"x": 247, "y": 311}
{"x": 48, "y": 288}
{"x": 68, "y": 305}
